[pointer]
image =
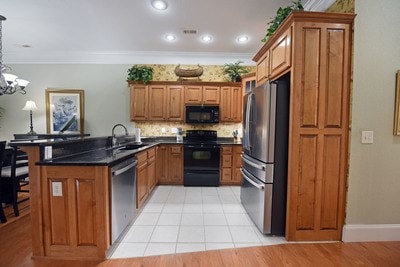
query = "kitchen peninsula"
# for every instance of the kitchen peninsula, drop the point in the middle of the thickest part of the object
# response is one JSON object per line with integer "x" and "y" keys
{"x": 71, "y": 192}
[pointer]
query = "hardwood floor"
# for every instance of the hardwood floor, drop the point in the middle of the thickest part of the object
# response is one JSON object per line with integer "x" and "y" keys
{"x": 15, "y": 250}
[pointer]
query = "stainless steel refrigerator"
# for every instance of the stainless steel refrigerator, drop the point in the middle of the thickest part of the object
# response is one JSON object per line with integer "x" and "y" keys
{"x": 264, "y": 160}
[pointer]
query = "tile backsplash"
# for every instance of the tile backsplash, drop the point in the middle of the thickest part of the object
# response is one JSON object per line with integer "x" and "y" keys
{"x": 156, "y": 128}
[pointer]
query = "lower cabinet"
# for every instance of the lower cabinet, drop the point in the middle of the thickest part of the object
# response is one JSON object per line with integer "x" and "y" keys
{"x": 75, "y": 211}
{"x": 145, "y": 175}
{"x": 170, "y": 164}
{"x": 230, "y": 165}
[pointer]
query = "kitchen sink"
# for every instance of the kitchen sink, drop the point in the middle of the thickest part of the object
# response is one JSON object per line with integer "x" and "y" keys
{"x": 132, "y": 146}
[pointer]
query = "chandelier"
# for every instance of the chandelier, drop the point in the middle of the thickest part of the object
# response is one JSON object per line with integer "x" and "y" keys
{"x": 9, "y": 83}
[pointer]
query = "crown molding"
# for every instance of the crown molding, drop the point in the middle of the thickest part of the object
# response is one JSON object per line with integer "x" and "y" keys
{"x": 126, "y": 57}
{"x": 318, "y": 5}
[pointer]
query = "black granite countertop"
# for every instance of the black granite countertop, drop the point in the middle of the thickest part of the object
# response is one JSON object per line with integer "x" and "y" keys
{"x": 97, "y": 151}
{"x": 99, "y": 157}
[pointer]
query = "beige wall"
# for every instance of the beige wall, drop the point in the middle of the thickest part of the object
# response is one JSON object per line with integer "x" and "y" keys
{"x": 374, "y": 175}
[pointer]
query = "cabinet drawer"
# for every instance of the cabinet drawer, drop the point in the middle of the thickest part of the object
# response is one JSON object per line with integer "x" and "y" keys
{"x": 226, "y": 160}
{"x": 142, "y": 158}
{"x": 226, "y": 149}
{"x": 176, "y": 149}
{"x": 151, "y": 152}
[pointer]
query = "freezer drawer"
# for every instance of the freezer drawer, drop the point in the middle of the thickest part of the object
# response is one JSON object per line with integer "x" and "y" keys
{"x": 256, "y": 198}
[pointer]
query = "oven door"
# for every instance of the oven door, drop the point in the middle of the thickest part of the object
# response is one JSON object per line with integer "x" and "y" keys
{"x": 201, "y": 165}
{"x": 201, "y": 158}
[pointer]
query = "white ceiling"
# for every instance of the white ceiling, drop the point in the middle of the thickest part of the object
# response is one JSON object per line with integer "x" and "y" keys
{"x": 131, "y": 31}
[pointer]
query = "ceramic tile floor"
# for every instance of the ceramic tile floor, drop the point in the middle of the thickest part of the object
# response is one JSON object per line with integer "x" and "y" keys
{"x": 180, "y": 219}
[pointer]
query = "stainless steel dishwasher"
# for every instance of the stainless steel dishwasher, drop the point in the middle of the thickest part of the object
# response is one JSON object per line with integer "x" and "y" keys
{"x": 123, "y": 196}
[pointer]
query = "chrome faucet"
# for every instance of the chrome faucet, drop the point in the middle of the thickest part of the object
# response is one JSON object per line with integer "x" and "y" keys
{"x": 114, "y": 138}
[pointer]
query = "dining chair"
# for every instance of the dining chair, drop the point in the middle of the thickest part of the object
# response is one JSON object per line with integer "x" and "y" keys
{"x": 16, "y": 176}
{"x": 3, "y": 218}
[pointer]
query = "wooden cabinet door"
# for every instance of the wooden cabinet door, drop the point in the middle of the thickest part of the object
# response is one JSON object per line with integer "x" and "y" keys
{"x": 230, "y": 108}
{"x": 141, "y": 179}
{"x": 157, "y": 102}
{"x": 280, "y": 54}
{"x": 138, "y": 102}
{"x": 162, "y": 164}
{"x": 75, "y": 219}
{"x": 211, "y": 95}
{"x": 236, "y": 165}
{"x": 236, "y": 104}
{"x": 151, "y": 169}
{"x": 319, "y": 132}
{"x": 175, "y": 103}
{"x": 193, "y": 94}
{"x": 263, "y": 69}
{"x": 225, "y": 104}
{"x": 175, "y": 165}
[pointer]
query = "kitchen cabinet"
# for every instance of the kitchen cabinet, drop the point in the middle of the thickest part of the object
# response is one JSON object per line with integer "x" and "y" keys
{"x": 202, "y": 95}
{"x": 151, "y": 169}
{"x": 175, "y": 103}
{"x": 146, "y": 175}
{"x": 231, "y": 104}
{"x": 157, "y": 102}
{"x": 280, "y": 54}
{"x": 315, "y": 49}
{"x": 248, "y": 82}
{"x": 141, "y": 179}
{"x": 139, "y": 102}
{"x": 75, "y": 212}
{"x": 263, "y": 68}
{"x": 170, "y": 164}
{"x": 230, "y": 165}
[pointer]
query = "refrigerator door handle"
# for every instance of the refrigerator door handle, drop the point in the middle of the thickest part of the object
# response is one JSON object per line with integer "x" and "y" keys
{"x": 259, "y": 186}
{"x": 255, "y": 165}
{"x": 246, "y": 136}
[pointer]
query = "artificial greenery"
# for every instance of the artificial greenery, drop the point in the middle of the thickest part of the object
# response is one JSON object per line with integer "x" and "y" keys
{"x": 281, "y": 15}
{"x": 142, "y": 74}
{"x": 234, "y": 70}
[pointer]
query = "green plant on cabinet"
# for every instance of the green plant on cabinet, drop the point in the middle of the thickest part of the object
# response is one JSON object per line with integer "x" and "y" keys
{"x": 235, "y": 70}
{"x": 281, "y": 15}
{"x": 142, "y": 74}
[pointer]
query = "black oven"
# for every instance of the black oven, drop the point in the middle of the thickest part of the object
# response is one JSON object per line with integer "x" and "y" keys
{"x": 201, "y": 159}
{"x": 202, "y": 114}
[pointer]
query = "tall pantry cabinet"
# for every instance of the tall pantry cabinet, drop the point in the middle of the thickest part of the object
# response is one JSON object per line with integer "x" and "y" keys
{"x": 315, "y": 48}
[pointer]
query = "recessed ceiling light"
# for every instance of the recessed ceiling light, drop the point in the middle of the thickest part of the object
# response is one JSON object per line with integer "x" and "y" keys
{"x": 242, "y": 39}
{"x": 159, "y": 4}
{"x": 170, "y": 37}
{"x": 206, "y": 38}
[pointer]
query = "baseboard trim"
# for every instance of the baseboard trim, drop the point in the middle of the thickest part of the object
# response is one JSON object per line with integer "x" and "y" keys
{"x": 371, "y": 232}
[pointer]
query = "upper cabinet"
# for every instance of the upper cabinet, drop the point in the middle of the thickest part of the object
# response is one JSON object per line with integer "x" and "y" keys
{"x": 156, "y": 102}
{"x": 165, "y": 101}
{"x": 315, "y": 49}
{"x": 202, "y": 95}
{"x": 231, "y": 104}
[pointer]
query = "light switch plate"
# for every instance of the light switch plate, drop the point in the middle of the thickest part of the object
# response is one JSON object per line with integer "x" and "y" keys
{"x": 48, "y": 152}
{"x": 367, "y": 137}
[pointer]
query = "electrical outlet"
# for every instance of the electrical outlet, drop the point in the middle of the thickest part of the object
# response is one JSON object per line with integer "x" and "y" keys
{"x": 163, "y": 130}
{"x": 57, "y": 189}
{"x": 367, "y": 137}
{"x": 174, "y": 130}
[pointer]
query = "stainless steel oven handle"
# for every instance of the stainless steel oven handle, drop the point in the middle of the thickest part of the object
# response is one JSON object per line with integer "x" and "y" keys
{"x": 252, "y": 163}
{"x": 124, "y": 169}
{"x": 261, "y": 187}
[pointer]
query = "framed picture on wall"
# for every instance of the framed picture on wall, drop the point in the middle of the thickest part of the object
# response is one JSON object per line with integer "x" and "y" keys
{"x": 396, "y": 129}
{"x": 65, "y": 111}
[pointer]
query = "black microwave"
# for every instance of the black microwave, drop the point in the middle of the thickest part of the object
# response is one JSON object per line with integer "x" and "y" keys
{"x": 202, "y": 114}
